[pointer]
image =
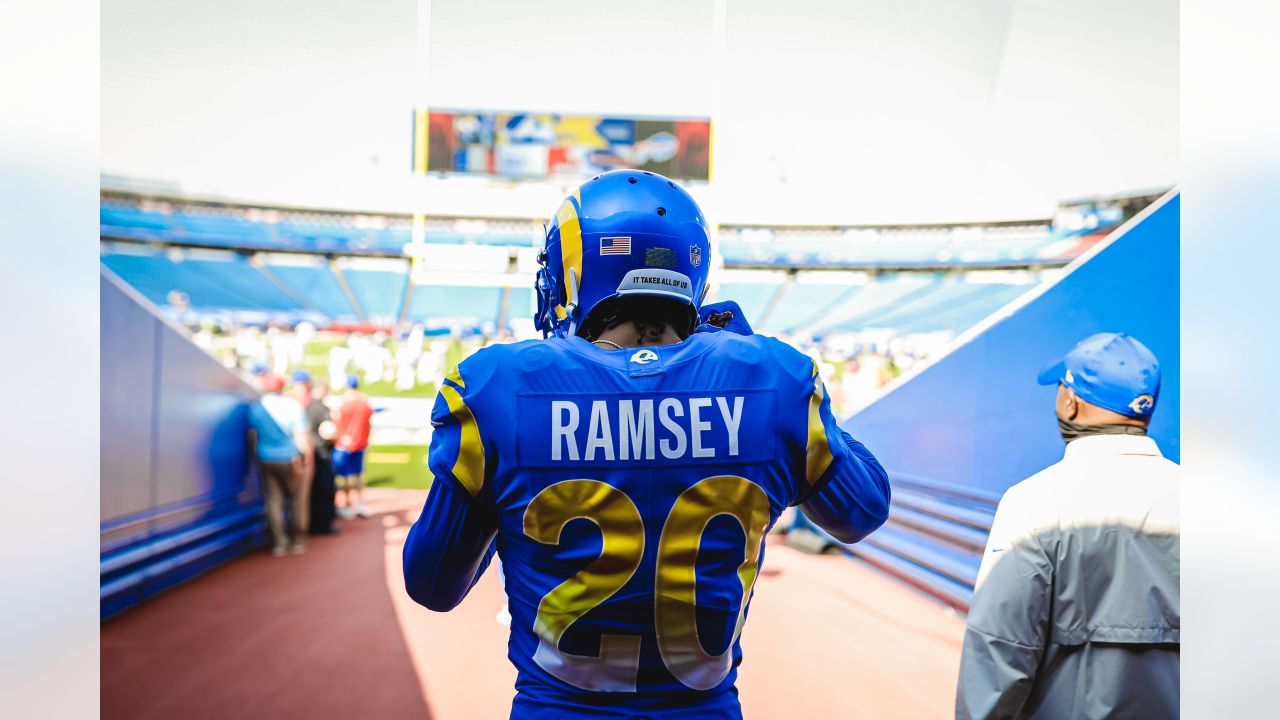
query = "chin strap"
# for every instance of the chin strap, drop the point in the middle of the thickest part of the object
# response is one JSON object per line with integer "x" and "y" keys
{"x": 571, "y": 322}
{"x": 572, "y": 308}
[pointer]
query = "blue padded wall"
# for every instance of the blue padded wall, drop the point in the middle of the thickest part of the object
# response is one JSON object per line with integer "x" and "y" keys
{"x": 956, "y": 435}
{"x": 178, "y": 495}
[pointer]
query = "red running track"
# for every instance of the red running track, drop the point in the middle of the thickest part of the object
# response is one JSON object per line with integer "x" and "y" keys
{"x": 331, "y": 634}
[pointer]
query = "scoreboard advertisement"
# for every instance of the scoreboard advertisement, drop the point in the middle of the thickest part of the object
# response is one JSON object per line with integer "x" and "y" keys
{"x": 537, "y": 146}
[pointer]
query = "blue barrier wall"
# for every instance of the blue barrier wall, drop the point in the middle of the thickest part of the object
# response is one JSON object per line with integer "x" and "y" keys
{"x": 957, "y": 434}
{"x": 178, "y": 495}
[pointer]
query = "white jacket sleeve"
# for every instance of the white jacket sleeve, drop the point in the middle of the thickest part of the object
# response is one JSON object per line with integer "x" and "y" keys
{"x": 1009, "y": 620}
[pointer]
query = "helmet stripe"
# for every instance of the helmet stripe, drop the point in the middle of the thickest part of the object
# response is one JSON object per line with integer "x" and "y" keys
{"x": 570, "y": 241}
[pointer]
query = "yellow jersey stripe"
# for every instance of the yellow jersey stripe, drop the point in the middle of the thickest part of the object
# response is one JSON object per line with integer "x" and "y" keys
{"x": 817, "y": 450}
{"x": 469, "y": 467}
{"x": 455, "y": 377}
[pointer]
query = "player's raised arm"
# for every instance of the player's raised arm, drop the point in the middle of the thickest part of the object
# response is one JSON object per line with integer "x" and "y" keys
{"x": 450, "y": 545}
{"x": 848, "y": 491}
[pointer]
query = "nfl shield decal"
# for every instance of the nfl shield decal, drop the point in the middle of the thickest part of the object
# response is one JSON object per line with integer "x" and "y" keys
{"x": 695, "y": 255}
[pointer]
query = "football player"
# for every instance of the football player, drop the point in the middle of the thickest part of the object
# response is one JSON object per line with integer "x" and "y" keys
{"x": 627, "y": 468}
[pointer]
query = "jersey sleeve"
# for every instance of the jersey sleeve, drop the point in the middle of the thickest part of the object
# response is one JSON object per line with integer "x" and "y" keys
{"x": 457, "y": 454}
{"x": 846, "y": 491}
{"x": 450, "y": 545}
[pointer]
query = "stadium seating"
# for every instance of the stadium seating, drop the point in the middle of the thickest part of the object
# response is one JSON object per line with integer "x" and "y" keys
{"x": 223, "y": 226}
{"x": 753, "y": 297}
{"x": 380, "y": 293}
{"x": 896, "y": 247}
{"x": 316, "y": 284}
{"x": 897, "y": 299}
{"x": 209, "y": 282}
{"x": 922, "y": 308}
{"x": 199, "y": 223}
{"x": 961, "y": 312}
{"x": 130, "y": 222}
{"x": 803, "y": 303}
{"x": 881, "y": 295}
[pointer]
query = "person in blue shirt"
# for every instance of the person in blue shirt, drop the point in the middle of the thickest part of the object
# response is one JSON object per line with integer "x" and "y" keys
{"x": 281, "y": 442}
{"x": 628, "y": 467}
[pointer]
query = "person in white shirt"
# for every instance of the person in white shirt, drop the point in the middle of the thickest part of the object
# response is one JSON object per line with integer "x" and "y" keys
{"x": 1076, "y": 607}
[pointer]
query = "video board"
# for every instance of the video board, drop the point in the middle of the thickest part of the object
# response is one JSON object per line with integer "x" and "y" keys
{"x": 535, "y": 146}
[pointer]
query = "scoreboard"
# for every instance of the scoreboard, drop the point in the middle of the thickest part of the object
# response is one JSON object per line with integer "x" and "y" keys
{"x": 536, "y": 146}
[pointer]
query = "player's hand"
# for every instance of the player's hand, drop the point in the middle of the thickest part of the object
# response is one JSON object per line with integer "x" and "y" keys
{"x": 724, "y": 315}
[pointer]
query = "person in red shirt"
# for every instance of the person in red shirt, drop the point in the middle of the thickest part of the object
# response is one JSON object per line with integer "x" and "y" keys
{"x": 350, "y": 440}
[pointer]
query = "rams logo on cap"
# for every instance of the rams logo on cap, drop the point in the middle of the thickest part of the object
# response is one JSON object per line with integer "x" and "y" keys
{"x": 644, "y": 357}
{"x": 1070, "y": 378}
{"x": 1142, "y": 403}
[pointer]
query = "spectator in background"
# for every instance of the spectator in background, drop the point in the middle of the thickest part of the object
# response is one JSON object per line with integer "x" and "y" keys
{"x": 281, "y": 442}
{"x": 279, "y": 349}
{"x": 263, "y": 375}
{"x": 1076, "y": 606}
{"x": 323, "y": 488}
{"x": 352, "y": 437}
{"x": 303, "y": 388}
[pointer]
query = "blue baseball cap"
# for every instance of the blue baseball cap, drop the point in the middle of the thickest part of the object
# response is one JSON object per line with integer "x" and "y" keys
{"x": 1110, "y": 370}
{"x": 301, "y": 376}
{"x": 353, "y": 381}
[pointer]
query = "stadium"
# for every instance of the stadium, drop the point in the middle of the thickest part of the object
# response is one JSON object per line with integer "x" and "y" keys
{"x": 931, "y": 202}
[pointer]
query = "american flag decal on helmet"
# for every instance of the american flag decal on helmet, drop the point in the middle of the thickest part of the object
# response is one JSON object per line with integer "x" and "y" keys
{"x": 615, "y": 246}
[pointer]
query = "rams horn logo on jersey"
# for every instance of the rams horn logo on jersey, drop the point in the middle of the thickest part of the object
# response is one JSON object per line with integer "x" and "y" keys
{"x": 644, "y": 357}
{"x": 695, "y": 255}
{"x": 1142, "y": 403}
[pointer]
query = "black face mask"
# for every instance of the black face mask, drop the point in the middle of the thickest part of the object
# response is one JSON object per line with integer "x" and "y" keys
{"x": 1074, "y": 430}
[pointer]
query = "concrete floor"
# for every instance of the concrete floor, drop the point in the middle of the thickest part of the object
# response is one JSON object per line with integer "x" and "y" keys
{"x": 331, "y": 634}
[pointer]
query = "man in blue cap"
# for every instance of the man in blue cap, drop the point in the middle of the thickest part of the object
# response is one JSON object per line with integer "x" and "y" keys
{"x": 1107, "y": 385}
{"x": 1076, "y": 606}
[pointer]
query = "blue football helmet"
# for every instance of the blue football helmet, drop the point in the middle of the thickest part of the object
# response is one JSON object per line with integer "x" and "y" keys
{"x": 622, "y": 233}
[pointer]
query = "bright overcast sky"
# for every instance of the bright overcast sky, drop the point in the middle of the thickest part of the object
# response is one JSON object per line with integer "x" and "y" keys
{"x": 826, "y": 111}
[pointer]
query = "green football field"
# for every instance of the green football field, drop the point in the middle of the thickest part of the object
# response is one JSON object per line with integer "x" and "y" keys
{"x": 397, "y": 466}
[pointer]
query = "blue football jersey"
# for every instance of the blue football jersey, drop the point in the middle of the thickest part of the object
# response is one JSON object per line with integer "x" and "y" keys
{"x": 630, "y": 492}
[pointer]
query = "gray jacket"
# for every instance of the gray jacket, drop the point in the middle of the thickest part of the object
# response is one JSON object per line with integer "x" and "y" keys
{"x": 1076, "y": 611}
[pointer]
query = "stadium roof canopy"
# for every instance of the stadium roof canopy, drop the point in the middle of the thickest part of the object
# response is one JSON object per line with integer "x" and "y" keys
{"x": 825, "y": 111}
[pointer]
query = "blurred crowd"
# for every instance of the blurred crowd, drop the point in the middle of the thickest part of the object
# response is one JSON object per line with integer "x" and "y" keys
{"x": 856, "y": 366}
{"x": 310, "y": 455}
{"x": 410, "y": 361}
{"x": 406, "y": 360}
